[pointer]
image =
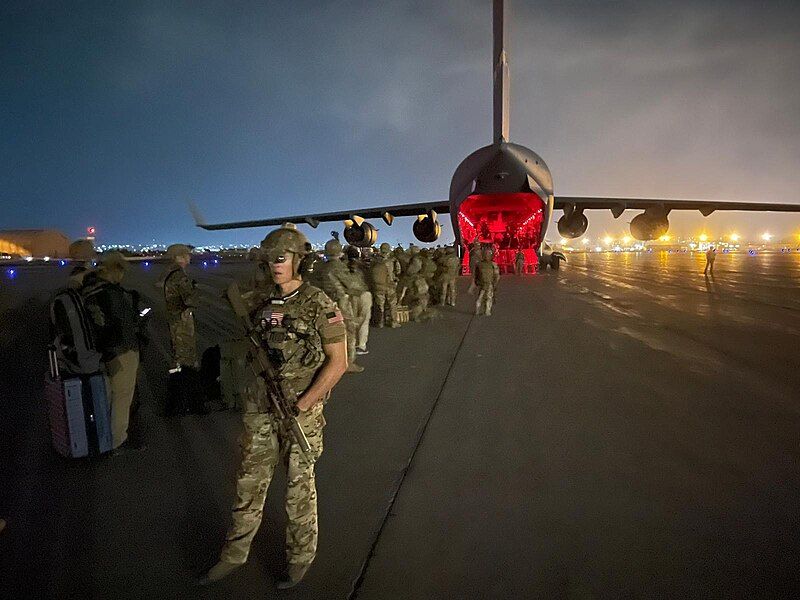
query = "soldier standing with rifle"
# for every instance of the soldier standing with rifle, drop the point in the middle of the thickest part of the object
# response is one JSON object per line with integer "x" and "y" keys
{"x": 300, "y": 351}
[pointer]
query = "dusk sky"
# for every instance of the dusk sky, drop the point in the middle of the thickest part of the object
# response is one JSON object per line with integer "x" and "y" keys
{"x": 115, "y": 114}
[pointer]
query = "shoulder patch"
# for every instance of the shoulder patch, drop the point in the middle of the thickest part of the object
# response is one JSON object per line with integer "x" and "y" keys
{"x": 334, "y": 316}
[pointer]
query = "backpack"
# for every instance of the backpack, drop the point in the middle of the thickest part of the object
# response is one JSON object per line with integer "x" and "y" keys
{"x": 76, "y": 351}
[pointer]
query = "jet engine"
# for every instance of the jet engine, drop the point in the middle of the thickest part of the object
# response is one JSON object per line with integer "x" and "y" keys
{"x": 573, "y": 225}
{"x": 361, "y": 235}
{"x": 646, "y": 227}
{"x": 427, "y": 228}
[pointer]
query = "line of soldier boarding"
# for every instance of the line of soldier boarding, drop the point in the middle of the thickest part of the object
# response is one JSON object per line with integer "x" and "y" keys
{"x": 306, "y": 320}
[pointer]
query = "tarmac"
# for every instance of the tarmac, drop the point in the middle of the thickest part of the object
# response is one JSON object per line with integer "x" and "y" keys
{"x": 622, "y": 428}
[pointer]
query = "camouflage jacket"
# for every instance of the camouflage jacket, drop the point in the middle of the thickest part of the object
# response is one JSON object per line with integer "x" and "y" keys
{"x": 179, "y": 292}
{"x": 487, "y": 274}
{"x": 336, "y": 280}
{"x": 295, "y": 328}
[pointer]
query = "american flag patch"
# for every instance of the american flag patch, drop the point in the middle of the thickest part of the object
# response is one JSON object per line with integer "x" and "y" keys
{"x": 274, "y": 318}
{"x": 334, "y": 317}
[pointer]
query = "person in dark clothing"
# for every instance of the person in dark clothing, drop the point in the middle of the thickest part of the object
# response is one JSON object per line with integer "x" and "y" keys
{"x": 114, "y": 312}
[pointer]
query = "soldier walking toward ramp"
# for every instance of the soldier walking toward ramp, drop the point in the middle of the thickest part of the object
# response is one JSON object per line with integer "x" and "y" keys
{"x": 303, "y": 332}
{"x": 181, "y": 299}
{"x": 487, "y": 274}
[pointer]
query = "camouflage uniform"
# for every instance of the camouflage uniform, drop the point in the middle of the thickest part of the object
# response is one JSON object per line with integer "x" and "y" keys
{"x": 383, "y": 283}
{"x": 414, "y": 290}
{"x": 519, "y": 263}
{"x": 450, "y": 267}
{"x": 340, "y": 285}
{"x": 487, "y": 274}
{"x": 181, "y": 297}
{"x": 296, "y": 332}
{"x": 361, "y": 301}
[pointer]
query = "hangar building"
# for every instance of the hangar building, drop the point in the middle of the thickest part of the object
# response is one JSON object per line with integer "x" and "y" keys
{"x": 34, "y": 242}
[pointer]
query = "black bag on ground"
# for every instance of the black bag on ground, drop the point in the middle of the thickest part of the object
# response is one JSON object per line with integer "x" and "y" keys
{"x": 209, "y": 375}
{"x": 184, "y": 393}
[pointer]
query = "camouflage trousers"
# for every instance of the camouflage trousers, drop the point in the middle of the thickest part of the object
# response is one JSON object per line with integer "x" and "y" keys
{"x": 519, "y": 268}
{"x": 483, "y": 306}
{"x": 184, "y": 344}
{"x": 385, "y": 303}
{"x": 418, "y": 307}
{"x": 448, "y": 292}
{"x": 262, "y": 447}
{"x": 362, "y": 311}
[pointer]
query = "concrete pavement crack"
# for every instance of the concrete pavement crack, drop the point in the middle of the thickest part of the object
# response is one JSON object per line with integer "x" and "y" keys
{"x": 421, "y": 435}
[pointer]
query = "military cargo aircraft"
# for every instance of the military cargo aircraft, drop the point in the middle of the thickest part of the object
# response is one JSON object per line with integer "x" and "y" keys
{"x": 502, "y": 194}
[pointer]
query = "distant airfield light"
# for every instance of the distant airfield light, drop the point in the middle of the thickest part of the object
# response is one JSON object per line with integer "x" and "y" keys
{"x": 586, "y": 240}
{"x": 703, "y": 237}
{"x": 147, "y": 263}
{"x": 766, "y": 237}
{"x": 11, "y": 273}
{"x": 28, "y": 258}
{"x": 62, "y": 262}
{"x": 734, "y": 237}
{"x": 562, "y": 241}
{"x": 598, "y": 249}
{"x": 608, "y": 240}
{"x": 626, "y": 240}
{"x": 46, "y": 259}
{"x": 205, "y": 263}
{"x": 664, "y": 238}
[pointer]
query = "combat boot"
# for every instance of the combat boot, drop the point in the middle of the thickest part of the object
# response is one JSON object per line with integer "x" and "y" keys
{"x": 294, "y": 575}
{"x": 219, "y": 571}
{"x": 354, "y": 368}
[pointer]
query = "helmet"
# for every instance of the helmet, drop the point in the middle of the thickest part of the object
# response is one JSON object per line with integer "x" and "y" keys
{"x": 413, "y": 249}
{"x": 385, "y": 249}
{"x": 82, "y": 250}
{"x": 176, "y": 250}
{"x": 285, "y": 240}
{"x": 353, "y": 253}
{"x": 333, "y": 248}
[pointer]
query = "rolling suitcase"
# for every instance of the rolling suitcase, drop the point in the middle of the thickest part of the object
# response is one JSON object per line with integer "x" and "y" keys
{"x": 79, "y": 413}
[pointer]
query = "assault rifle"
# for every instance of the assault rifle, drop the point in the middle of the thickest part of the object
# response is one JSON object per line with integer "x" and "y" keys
{"x": 280, "y": 394}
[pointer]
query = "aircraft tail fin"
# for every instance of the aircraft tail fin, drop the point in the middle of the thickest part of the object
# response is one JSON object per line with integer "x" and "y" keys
{"x": 501, "y": 74}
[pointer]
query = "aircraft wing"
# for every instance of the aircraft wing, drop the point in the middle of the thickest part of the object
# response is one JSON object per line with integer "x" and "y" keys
{"x": 706, "y": 207}
{"x": 387, "y": 213}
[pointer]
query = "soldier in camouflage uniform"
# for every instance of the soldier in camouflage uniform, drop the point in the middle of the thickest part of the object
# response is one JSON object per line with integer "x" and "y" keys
{"x": 414, "y": 289}
{"x": 181, "y": 298}
{"x": 362, "y": 302}
{"x": 336, "y": 280}
{"x": 383, "y": 274}
{"x": 450, "y": 266}
{"x": 487, "y": 274}
{"x": 304, "y": 334}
